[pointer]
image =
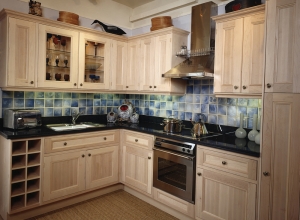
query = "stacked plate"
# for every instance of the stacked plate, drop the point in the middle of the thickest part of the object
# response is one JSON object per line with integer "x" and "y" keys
{"x": 68, "y": 17}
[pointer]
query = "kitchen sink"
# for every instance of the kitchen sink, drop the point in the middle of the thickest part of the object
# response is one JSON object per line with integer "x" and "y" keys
{"x": 65, "y": 126}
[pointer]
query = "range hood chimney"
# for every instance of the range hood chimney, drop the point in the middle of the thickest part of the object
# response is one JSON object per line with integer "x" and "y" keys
{"x": 199, "y": 60}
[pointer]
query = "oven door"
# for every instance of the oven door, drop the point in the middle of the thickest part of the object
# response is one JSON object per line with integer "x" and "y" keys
{"x": 174, "y": 173}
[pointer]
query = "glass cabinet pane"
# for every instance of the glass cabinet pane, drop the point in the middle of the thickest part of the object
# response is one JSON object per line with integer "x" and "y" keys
{"x": 58, "y": 57}
{"x": 94, "y": 62}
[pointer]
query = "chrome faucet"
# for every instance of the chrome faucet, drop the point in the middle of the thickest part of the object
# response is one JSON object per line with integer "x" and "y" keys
{"x": 75, "y": 116}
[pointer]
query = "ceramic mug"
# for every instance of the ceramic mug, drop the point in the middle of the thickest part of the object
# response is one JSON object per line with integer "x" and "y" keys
{"x": 57, "y": 76}
{"x": 67, "y": 77}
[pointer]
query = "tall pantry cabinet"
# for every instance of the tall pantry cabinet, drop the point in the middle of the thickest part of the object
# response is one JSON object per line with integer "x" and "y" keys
{"x": 280, "y": 181}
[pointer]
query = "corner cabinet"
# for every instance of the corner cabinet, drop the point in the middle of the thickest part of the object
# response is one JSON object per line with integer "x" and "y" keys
{"x": 239, "y": 52}
{"x": 226, "y": 185}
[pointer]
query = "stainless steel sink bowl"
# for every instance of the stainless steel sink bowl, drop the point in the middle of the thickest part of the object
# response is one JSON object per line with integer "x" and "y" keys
{"x": 65, "y": 127}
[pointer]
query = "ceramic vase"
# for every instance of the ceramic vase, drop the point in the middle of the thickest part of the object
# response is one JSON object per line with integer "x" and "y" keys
{"x": 257, "y": 137}
{"x": 241, "y": 132}
{"x": 253, "y": 132}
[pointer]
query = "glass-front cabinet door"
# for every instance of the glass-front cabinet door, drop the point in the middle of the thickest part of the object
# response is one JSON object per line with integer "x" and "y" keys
{"x": 58, "y": 57}
{"x": 94, "y": 59}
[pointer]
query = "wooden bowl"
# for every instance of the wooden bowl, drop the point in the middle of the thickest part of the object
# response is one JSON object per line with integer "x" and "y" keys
{"x": 161, "y": 22}
{"x": 68, "y": 17}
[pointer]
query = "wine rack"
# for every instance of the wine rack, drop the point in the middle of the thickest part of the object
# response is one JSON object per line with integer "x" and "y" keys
{"x": 25, "y": 174}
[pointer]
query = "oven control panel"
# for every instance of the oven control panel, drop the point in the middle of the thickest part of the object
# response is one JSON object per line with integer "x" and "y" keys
{"x": 184, "y": 147}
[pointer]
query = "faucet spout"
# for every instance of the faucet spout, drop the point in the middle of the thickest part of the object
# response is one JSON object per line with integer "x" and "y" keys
{"x": 75, "y": 116}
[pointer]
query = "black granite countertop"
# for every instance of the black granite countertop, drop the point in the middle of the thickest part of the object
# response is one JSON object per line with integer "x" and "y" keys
{"x": 223, "y": 136}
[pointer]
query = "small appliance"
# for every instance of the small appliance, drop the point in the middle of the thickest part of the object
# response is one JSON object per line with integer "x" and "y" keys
{"x": 21, "y": 118}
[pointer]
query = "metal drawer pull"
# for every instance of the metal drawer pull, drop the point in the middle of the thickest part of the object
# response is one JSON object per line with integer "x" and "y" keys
{"x": 104, "y": 138}
{"x": 82, "y": 155}
{"x": 244, "y": 87}
{"x": 149, "y": 158}
{"x": 81, "y": 84}
{"x": 266, "y": 173}
{"x": 136, "y": 140}
{"x": 269, "y": 85}
{"x": 235, "y": 87}
{"x": 65, "y": 143}
{"x": 224, "y": 162}
{"x": 154, "y": 87}
{"x": 199, "y": 174}
{"x": 150, "y": 87}
{"x": 89, "y": 155}
{"x": 31, "y": 82}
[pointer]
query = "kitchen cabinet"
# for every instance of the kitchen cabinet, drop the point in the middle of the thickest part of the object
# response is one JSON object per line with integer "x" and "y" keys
{"x": 72, "y": 167}
{"x": 18, "y": 53}
{"x": 239, "y": 52}
{"x": 137, "y": 162}
{"x": 20, "y": 166}
{"x": 226, "y": 185}
{"x": 133, "y": 68}
{"x": 282, "y": 46}
{"x": 279, "y": 193}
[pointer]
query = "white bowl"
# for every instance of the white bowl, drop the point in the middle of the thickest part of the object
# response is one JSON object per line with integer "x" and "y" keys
{"x": 92, "y": 66}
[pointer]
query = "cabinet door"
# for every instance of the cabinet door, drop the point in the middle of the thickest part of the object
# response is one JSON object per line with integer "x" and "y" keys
{"x": 137, "y": 168}
{"x": 102, "y": 167}
{"x": 21, "y": 53}
{"x": 64, "y": 174}
{"x": 58, "y": 57}
{"x": 118, "y": 65}
{"x": 147, "y": 62}
{"x": 280, "y": 188}
{"x": 253, "y": 54}
{"x": 282, "y": 46}
{"x": 132, "y": 76}
{"x": 228, "y": 56}
{"x": 94, "y": 61}
{"x": 163, "y": 52}
{"x": 219, "y": 196}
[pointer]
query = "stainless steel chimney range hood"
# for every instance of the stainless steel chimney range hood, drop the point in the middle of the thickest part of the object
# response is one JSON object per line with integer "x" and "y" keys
{"x": 199, "y": 60}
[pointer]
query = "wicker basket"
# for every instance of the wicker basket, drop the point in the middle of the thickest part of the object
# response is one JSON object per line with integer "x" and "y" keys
{"x": 161, "y": 22}
{"x": 68, "y": 17}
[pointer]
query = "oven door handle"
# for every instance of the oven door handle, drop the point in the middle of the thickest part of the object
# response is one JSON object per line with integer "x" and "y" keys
{"x": 179, "y": 155}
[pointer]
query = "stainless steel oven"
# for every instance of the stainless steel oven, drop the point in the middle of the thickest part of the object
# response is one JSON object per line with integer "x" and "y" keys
{"x": 174, "y": 166}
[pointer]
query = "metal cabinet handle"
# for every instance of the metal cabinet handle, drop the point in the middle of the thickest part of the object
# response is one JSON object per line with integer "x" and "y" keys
{"x": 269, "y": 85}
{"x": 266, "y": 173}
{"x": 31, "y": 82}
{"x": 199, "y": 174}
{"x": 89, "y": 154}
{"x": 136, "y": 140}
{"x": 104, "y": 138}
{"x": 82, "y": 155}
{"x": 126, "y": 86}
{"x": 235, "y": 87}
{"x": 150, "y": 87}
{"x": 81, "y": 84}
{"x": 224, "y": 162}
{"x": 154, "y": 87}
{"x": 149, "y": 158}
{"x": 75, "y": 84}
{"x": 244, "y": 87}
{"x": 65, "y": 144}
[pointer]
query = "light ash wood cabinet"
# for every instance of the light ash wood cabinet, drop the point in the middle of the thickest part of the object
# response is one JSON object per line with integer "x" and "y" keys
{"x": 137, "y": 161}
{"x": 282, "y": 46}
{"x": 18, "y": 53}
{"x": 226, "y": 185}
{"x": 279, "y": 192}
{"x": 239, "y": 52}
{"x": 72, "y": 165}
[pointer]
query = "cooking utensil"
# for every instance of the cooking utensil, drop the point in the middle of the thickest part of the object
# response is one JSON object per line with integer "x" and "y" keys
{"x": 199, "y": 128}
{"x": 172, "y": 125}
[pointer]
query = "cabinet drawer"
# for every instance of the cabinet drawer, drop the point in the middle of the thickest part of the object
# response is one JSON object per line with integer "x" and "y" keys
{"x": 230, "y": 163}
{"x": 70, "y": 142}
{"x": 137, "y": 139}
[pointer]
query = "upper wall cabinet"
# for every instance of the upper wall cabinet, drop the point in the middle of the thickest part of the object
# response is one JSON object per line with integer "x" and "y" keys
{"x": 282, "y": 46}
{"x": 17, "y": 53}
{"x": 239, "y": 52}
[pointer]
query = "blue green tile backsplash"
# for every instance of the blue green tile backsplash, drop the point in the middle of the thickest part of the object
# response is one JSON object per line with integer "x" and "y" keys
{"x": 199, "y": 98}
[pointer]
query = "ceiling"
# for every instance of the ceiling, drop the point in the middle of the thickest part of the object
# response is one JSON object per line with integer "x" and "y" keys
{"x": 133, "y": 3}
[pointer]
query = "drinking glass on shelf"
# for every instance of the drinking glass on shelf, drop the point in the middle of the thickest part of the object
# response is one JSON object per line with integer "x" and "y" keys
{"x": 66, "y": 62}
{"x": 57, "y": 61}
{"x": 63, "y": 43}
{"x": 47, "y": 59}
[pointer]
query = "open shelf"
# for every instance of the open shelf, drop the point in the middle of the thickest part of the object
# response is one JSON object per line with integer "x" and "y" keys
{"x": 18, "y": 161}
{"x": 33, "y": 159}
{"x": 18, "y": 147}
{"x": 17, "y": 202}
{"x": 33, "y": 172}
{"x": 18, "y": 175}
{"x": 32, "y": 198}
{"x": 18, "y": 188}
{"x": 33, "y": 185}
{"x": 34, "y": 146}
